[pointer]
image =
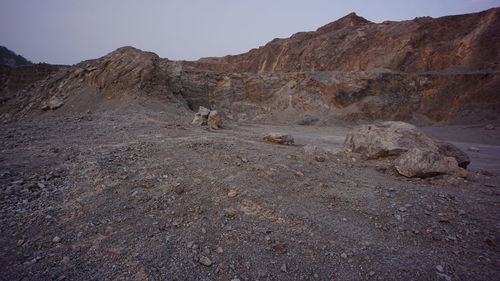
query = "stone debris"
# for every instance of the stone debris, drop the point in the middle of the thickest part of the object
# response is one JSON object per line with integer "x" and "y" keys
{"x": 214, "y": 120}
{"x": 473, "y": 149}
{"x": 201, "y": 117}
{"x": 490, "y": 127}
{"x": 219, "y": 250}
{"x": 205, "y": 261}
{"x": 207, "y": 117}
{"x": 232, "y": 194}
{"x": 310, "y": 149}
{"x": 278, "y": 138}
{"x": 52, "y": 104}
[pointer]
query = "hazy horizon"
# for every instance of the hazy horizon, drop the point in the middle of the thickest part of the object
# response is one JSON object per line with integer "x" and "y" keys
{"x": 67, "y": 32}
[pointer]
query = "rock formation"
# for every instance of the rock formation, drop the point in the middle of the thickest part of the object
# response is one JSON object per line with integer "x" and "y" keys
{"x": 460, "y": 43}
{"x": 420, "y": 71}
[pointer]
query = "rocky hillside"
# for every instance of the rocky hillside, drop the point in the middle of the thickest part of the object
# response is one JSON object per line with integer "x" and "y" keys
{"x": 8, "y": 57}
{"x": 352, "y": 43}
{"x": 358, "y": 81}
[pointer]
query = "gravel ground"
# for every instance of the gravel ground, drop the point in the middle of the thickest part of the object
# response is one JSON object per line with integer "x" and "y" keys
{"x": 143, "y": 195}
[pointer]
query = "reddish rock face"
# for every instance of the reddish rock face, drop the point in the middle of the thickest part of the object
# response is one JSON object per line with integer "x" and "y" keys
{"x": 419, "y": 71}
{"x": 459, "y": 43}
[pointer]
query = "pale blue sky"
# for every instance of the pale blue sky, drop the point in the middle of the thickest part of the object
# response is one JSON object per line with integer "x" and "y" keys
{"x": 69, "y": 31}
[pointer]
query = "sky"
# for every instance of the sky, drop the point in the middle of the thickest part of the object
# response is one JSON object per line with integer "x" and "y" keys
{"x": 69, "y": 31}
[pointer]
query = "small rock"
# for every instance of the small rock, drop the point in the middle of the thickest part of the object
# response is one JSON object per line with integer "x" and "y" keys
{"x": 319, "y": 158}
{"x": 444, "y": 277}
{"x": 440, "y": 268}
{"x": 214, "y": 120}
{"x": 219, "y": 250}
{"x": 473, "y": 149}
{"x": 307, "y": 120}
{"x": 178, "y": 189}
{"x": 278, "y": 138}
{"x": 53, "y": 103}
{"x": 371, "y": 273}
{"x": 402, "y": 209}
{"x": 201, "y": 116}
{"x": 298, "y": 174}
{"x": 230, "y": 212}
{"x": 232, "y": 194}
{"x": 65, "y": 260}
{"x": 343, "y": 255}
{"x": 284, "y": 268}
{"x": 310, "y": 149}
{"x": 205, "y": 261}
{"x": 56, "y": 239}
{"x": 489, "y": 127}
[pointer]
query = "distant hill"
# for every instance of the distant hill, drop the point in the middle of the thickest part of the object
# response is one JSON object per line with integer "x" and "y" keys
{"x": 8, "y": 57}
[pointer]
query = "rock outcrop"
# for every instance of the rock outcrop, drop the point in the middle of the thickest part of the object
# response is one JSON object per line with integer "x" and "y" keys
{"x": 351, "y": 69}
{"x": 462, "y": 43}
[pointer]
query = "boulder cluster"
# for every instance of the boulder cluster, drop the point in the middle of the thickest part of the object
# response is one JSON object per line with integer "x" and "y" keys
{"x": 207, "y": 117}
{"x": 415, "y": 154}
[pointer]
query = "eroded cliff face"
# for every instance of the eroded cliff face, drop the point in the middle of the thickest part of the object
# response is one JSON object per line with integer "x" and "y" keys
{"x": 345, "y": 70}
{"x": 454, "y": 43}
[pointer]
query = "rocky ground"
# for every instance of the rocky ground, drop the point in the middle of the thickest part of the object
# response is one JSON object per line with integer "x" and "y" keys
{"x": 139, "y": 194}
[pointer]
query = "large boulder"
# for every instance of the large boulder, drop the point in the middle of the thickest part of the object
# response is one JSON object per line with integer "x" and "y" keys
{"x": 450, "y": 150}
{"x": 417, "y": 155}
{"x": 424, "y": 163}
{"x": 384, "y": 139}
